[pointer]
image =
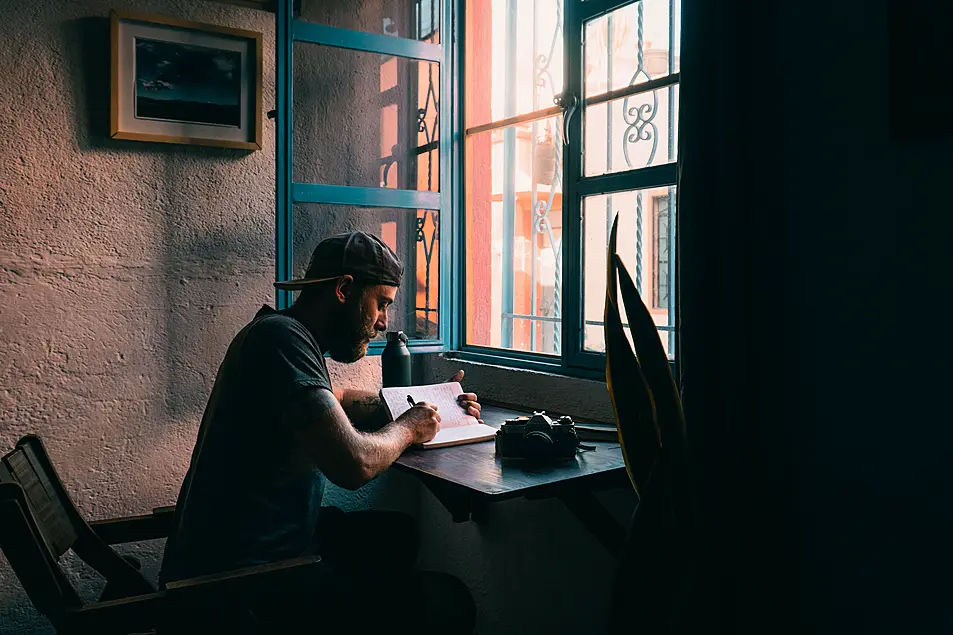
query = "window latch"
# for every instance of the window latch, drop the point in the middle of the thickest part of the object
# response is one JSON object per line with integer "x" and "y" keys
{"x": 568, "y": 102}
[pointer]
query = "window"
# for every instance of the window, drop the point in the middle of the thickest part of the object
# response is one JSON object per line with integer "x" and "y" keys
{"x": 513, "y": 174}
{"x": 570, "y": 118}
{"x": 662, "y": 245}
{"x": 359, "y": 145}
{"x": 565, "y": 117}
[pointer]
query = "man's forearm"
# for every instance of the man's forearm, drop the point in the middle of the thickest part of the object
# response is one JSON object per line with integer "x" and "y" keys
{"x": 364, "y": 408}
{"x": 347, "y": 456}
{"x": 379, "y": 449}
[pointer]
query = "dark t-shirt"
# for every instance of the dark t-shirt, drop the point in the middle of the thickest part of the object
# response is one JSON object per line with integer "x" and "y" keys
{"x": 251, "y": 494}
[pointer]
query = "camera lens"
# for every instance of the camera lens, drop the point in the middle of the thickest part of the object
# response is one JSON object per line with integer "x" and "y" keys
{"x": 539, "y": 437}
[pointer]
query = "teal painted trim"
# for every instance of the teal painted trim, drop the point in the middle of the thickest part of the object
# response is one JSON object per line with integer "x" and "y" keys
{"x": 572, "y": 201}
{"x": 594, "y": 373}
{"x": 371, "y": 42}
{"x": 590, "y": 359}
{"x": 641, "y": 178}
{"x": 449, "y": 244}
{"x": 427, "y": 346}
{"x": 513, "y": 354}
{"x": 364, "y": 196}
{"x": 504, "y": 361}
{"x": 284, "y": 230}
{"x": 456, "y": 161}
{"x": 417, "y": 347}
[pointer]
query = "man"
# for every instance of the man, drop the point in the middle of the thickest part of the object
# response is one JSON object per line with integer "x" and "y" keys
{"x": 274, "y": 429}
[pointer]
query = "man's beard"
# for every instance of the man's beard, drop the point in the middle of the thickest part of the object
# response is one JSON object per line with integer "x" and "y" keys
{"x": 356, "y": 331}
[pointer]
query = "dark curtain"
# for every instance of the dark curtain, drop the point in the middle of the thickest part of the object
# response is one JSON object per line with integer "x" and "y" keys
{"x": 814, "y": 350}
{"x": 732, "y": 277}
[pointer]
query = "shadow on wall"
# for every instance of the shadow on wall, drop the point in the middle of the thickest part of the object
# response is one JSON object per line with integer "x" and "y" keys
{"x": 207, "y": 263}
{"x": 215, "y": 263}
{"x": 207, "y": 252}
{"x": 87, "y": 43}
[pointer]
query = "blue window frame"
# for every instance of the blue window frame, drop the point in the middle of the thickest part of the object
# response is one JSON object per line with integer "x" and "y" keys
{"x": 599, "y": 142}
{"x": 427, "y": 209}
{"x": 603, "y": 75}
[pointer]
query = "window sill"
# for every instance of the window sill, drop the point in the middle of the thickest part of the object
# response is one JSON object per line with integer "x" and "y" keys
{"x": 505, "y": 362}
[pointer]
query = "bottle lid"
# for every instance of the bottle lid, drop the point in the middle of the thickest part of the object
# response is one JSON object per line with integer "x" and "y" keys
{"x": 396, "y": 336}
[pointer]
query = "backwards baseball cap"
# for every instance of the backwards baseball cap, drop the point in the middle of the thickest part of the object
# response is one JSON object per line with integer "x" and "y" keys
{"x": 364, "y": 256}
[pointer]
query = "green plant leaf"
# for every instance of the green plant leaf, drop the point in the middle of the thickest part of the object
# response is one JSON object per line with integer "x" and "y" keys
{"x": 652, "y": 360}
{"x": 628, "y": 390}
{"x": 654, "y": 591}
{"x": 670, "y": 417}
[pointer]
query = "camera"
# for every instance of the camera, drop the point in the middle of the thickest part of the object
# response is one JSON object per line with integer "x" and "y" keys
{"x": 537, "y": 438}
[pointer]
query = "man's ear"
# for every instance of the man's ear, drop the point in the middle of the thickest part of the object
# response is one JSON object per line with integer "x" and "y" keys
{"x": 344, "y": 286}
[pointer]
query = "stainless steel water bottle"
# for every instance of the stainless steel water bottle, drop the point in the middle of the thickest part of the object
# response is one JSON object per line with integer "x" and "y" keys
{"x": 395, "y": 361}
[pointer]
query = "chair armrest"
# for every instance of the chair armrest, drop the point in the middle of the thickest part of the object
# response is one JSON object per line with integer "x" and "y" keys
{"x": 246, "y": 578}
{"x": 184, "y": 599}
{"x": 114, "y": 531}
{"x": 135, "y": 614}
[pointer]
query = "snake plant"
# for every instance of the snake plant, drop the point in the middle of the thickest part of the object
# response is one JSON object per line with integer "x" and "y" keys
{"x": 650, "y": 592}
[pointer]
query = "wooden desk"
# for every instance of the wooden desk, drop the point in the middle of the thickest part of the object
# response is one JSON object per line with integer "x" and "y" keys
{"x": 466, "y": 478}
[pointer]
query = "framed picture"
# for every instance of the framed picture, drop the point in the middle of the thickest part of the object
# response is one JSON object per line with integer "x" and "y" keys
{"x": 175, "y": 81}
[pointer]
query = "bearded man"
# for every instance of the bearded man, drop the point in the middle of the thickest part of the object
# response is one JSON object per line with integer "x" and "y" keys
{"x": 275, "y": 430}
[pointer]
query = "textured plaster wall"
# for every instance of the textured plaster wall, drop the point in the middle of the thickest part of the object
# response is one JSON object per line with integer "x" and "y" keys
{"x": 126, "y": 268}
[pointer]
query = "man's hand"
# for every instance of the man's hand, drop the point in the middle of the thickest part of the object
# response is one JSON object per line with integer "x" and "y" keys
{"x": 422, "y": 420}
{"x": 468, "y": 400}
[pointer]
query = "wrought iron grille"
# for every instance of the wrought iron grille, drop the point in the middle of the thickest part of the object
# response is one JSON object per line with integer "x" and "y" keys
{"x": 639, "y": 112}
{"x": 633, "y": 133}
{"x": 426, "y": 27}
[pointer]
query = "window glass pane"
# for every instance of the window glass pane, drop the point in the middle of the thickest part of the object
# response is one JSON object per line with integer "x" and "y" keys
{"x": 632, "y": 45}
{"x": 414, "y": 237}
{"x": 413, "y": 19}
{"x": 646, "y": 244}
{"x": 513, "y": 229}
{"x": 365, "y": 119}
{"x": 514, "y": 58}
{"x": 633, "y": 132}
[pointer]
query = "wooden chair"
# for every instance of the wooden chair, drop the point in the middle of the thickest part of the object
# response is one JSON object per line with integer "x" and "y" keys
{"x": 39, "y": 523}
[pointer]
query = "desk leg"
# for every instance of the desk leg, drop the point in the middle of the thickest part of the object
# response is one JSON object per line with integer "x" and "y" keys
{"x": 596, "y": 518}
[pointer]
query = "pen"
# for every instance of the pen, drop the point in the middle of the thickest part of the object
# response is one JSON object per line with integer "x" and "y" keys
{"x": 410, "y": 400}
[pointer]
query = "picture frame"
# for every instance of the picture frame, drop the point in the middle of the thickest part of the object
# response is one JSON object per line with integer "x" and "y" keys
{"x": 175, "y": 81}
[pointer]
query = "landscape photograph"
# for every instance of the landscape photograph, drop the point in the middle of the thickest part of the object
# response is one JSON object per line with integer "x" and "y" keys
{"x": 187, "y": 83}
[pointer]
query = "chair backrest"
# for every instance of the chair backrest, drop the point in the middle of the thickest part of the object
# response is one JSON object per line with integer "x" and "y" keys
{"x": 27, "y": 549}
{"x": 40, "y": 523}
{"x": 29, "y": 466}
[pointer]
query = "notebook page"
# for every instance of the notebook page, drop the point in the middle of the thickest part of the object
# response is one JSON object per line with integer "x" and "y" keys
{"x": 461, "y": 435}
{"x": 444, "y": 396}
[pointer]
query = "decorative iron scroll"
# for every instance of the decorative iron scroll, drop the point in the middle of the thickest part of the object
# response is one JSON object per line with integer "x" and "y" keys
{"x": 427, "y": 242}
{"x": 640, "y": 118}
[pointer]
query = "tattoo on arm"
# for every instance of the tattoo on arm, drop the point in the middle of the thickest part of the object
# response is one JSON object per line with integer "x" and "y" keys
{"x": 368, "y": 405}
{"x": 348, "y": 457}
{"x": 368, "y": 412}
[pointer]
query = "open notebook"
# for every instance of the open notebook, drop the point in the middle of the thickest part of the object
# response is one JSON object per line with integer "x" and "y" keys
{"x": 456, "y": 425}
